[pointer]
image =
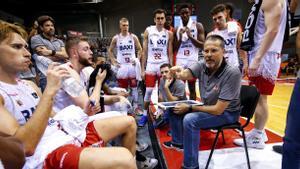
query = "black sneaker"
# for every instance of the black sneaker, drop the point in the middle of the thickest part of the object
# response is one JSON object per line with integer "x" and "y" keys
{"x": 278, "y": 149}
{"x": 170, "y": 145}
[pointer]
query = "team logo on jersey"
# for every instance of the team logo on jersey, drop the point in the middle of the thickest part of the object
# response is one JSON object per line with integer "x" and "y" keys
{"x": 230, "y": 41}
{"x": 164, "y": 36}
{"x": 161, "y": 42}
{"x": 130, "y": 41}
{"x": 35, "y": 95}
{"x": 126, "y": 47}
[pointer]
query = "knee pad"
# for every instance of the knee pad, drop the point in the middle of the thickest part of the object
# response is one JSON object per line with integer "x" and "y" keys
{"x": 148, "y": 94}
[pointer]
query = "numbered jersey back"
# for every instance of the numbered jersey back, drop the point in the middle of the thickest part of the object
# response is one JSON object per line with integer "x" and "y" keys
{"x": 157, "y": 45}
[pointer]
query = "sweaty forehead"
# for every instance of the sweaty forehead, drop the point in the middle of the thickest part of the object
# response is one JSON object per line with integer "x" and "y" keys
{"x": 159, "y": 15}
{"x": 218, "y": 14}
{"x": 184, "y": 10}
{"x": 83, "y": 44}
{"x": 124, "y": 23}
{"x": 15, "y": 38}
{"x": 212, "y": 44}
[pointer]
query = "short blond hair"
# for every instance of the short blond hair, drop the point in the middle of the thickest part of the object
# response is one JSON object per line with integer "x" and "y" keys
{"x": 7, "y": 29}
{"x": 124, "y": 20}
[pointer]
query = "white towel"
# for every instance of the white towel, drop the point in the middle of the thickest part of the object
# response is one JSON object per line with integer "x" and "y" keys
{"x": 184, "y": 35}
{"x": 1, "y": 165}
{"x": 232, "y": 26}
{"x": 73, "y": 120}
{"x": 138, "y": 69}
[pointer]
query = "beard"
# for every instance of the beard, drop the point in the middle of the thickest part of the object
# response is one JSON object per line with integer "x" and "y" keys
{"x": 51, "y": 33}
{"x": 84, "y": 62}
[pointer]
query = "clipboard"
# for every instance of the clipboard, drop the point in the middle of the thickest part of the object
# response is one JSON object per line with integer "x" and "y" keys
{"x": 165, "y": 105}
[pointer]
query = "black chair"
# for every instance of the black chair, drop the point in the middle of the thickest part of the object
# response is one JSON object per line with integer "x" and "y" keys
{"x": 249, "y": 99}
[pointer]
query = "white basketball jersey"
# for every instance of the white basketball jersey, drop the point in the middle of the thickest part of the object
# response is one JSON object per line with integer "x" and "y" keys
{"x": 187, "y": 49}
{"x": 19, "y": 99}
{"x": 260, "y": 30}
{"x": 230, "y": 37}
{"x": 125, "y": 48}
{"x": 157, "y": 45}
{"x": 62, "y": 99}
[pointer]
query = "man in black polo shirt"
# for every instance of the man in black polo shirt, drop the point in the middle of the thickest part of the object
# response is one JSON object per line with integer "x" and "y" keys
{"x": 219, "y": 86}
{"x": 47, "y": 45}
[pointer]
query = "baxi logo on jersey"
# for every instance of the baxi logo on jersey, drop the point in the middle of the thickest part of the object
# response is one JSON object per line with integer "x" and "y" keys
{"x": 230, "y": 41}
{"x": 28, "y": 113}
{"x": 161, "y": 42}
{"x": 126, "y": 47}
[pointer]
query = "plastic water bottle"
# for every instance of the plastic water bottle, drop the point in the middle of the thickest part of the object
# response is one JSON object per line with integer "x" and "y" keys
{"x": 70, "y": 85}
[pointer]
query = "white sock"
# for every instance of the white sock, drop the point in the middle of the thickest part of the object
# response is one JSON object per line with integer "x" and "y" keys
{"x": 256, "y": 131}
{"x": 145, "y": 113}
{"x": 134, "y": 94}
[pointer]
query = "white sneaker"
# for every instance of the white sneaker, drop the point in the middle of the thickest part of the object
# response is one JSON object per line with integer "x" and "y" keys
{"x": 264, "y": 134}
{"x": 253, "y": 141}
{"x": 149, "y": 163}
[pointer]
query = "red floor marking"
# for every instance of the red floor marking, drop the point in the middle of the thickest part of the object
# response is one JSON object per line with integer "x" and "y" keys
{"x": 174, "y": 158}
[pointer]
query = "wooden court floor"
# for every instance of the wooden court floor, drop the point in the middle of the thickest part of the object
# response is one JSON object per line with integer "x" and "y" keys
{"x": 278, "y": 105}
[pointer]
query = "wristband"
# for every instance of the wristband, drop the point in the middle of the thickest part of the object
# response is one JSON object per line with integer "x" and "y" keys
{"x": 191, "y": 108}
{"x": 53, "y": 53}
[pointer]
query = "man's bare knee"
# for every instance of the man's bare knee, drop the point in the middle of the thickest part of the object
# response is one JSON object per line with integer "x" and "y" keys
{"x": 132, "y": 123}
{"x": 126, "y": 161}
{"x": 107, "y": 157}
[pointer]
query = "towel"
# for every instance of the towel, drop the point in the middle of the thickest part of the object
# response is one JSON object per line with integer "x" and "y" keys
{"x": 73, "y": 120}
{"x": 138, "y": 69}
{"x": 184, "y": 35}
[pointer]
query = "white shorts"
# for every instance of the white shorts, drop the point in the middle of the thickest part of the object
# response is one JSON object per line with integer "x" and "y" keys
{"x": 269, "y": 66}
{"x": 185, "y": 63}
{"x": 126, "y": 71}
{"x": 153, "y": 68}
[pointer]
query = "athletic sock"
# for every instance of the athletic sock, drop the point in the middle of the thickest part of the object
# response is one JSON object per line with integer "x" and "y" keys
{"x": 145, "y": 113}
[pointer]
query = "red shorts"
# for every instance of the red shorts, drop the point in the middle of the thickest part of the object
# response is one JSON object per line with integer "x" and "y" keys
{"x": 67, "y": 156}
{"x": 264, "y": 86}
{"x": 192, "y": 80}
{"x": 150, "y": 80}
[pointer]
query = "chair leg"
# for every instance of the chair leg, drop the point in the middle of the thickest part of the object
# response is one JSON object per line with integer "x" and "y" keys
{"x": 246, "y": 149}
{"x": 223, "y": 137}
{"x": 212, "y": 150}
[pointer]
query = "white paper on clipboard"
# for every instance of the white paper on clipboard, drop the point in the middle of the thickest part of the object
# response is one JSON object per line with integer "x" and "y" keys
{"x": 165, "y": 105}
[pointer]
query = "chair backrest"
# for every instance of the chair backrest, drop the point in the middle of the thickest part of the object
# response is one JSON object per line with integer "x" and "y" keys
{"x": 249, "y": 99}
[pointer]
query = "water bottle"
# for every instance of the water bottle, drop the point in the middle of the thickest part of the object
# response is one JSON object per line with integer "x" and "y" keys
{"x": 70, "y": 85}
